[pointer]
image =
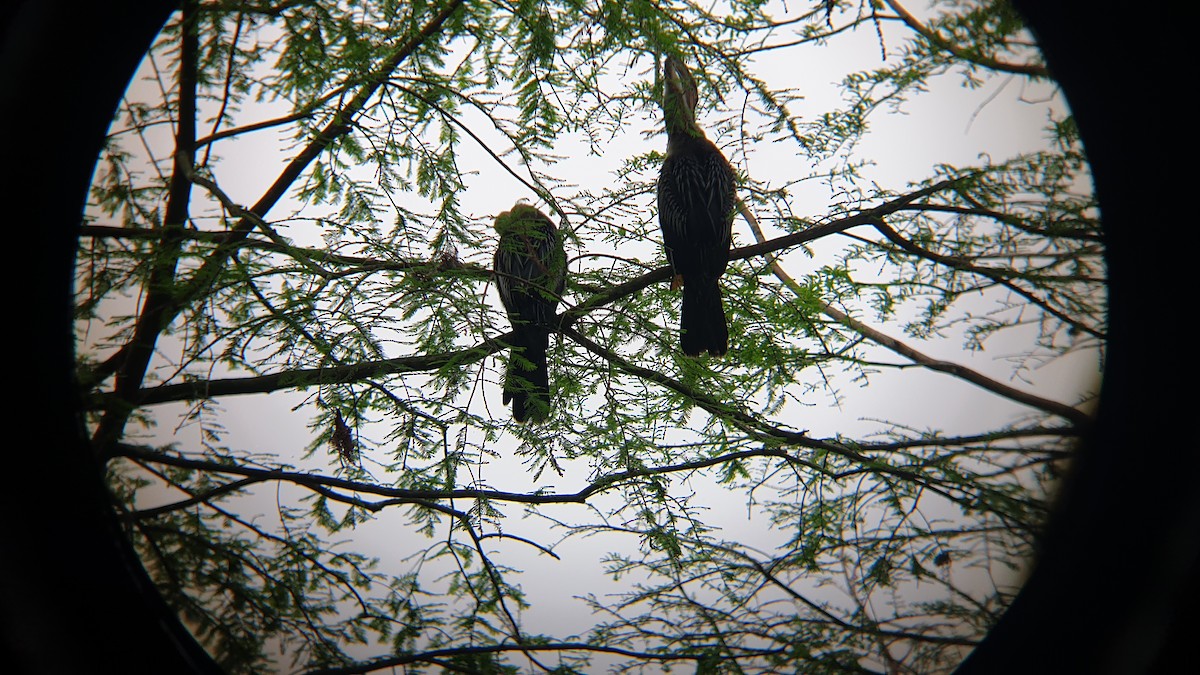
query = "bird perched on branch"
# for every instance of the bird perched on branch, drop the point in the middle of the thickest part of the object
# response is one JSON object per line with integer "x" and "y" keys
{"x": 530, "y": 268}
{"x": 696, "y": 203}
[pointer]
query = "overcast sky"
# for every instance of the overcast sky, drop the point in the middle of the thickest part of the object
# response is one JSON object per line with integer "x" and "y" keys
{"x": 950, "y": 124}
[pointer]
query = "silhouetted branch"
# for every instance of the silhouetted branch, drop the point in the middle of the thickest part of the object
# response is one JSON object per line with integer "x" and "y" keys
{"x": 1027, "y": 69}
{"x": 177, "y": 298}
{"x": 1077, "y": 417}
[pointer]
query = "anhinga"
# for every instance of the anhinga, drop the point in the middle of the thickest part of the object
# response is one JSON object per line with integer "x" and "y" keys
{"x": 530, "y": 268}
{"x": 696, "y": 204}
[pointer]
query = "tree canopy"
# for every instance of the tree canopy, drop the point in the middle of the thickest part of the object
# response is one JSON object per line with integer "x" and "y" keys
{"x": 292, "y": 346}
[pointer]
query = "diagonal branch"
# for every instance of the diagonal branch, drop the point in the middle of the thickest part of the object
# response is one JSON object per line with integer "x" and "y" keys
{"x": 130, "y": 362}
{"x": 305, "y": 377}
{"x": 348, "y": 265}
{"x": 156, "y": 314}
{"x": 958, "y": 370}
{"x": 1001, "y": 277}
{"x": 204, "y": 497}
{"x": 1029, "y": 69}
{"x": 962, "y": 372}
{"x": 407, "y": 364}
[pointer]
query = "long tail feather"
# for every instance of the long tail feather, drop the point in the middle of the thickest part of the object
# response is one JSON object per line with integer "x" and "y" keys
{"x": 702, "y": 320}
{"x": 527, "y": 380}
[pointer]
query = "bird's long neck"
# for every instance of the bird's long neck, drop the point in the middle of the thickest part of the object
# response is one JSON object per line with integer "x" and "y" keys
{"x": 680, "y": 121}
{"x": 679, "y": 103}
{"x": 685, "y": 139}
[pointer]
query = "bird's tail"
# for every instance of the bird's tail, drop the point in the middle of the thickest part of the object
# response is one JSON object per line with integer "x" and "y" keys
{"x": 702, "y": 319}
{"x": 527, "y": 381}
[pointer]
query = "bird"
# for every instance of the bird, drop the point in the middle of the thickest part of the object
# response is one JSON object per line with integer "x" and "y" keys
{"x": 696, "y": 205}
{"x": 530, "y": 270}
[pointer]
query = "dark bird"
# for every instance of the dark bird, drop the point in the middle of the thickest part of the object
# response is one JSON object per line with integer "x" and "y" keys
{"x": 530, "y": 268}
{"x": 696, "y": 204}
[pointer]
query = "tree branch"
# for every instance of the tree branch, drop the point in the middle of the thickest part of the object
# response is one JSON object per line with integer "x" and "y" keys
{"x": 1076, "y": 417}
{"x": 156, "y": 313}
{"x": 204, "y": 497}
{"x": 174, "y": 300}
{"x": 429, "y": 498}
{"x": 962, "y": 372}
{"x": 1001, "y": 277}
{"x": 355, "y": 264}
{"x": 567, "y": 319}
{"x": 1028, "y": 69}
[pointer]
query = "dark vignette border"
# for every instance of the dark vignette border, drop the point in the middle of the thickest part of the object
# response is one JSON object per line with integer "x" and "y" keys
{"x": 1118, "y": 568}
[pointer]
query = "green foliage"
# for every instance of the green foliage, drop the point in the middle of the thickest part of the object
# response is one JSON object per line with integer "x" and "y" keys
{"x": 751, "y": 516}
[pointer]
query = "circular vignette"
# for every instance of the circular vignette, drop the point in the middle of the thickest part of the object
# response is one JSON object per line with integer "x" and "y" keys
{"x": 1118, "y": 563}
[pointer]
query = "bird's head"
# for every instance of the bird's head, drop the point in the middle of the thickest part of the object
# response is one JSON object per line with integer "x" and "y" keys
{"x": 519, "y": 219}
{"x": 680, "y": 96}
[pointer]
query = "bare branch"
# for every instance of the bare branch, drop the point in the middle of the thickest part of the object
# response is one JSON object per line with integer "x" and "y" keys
{"x": 1028, "y": 69}
{"x": 1075, "y": 416}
